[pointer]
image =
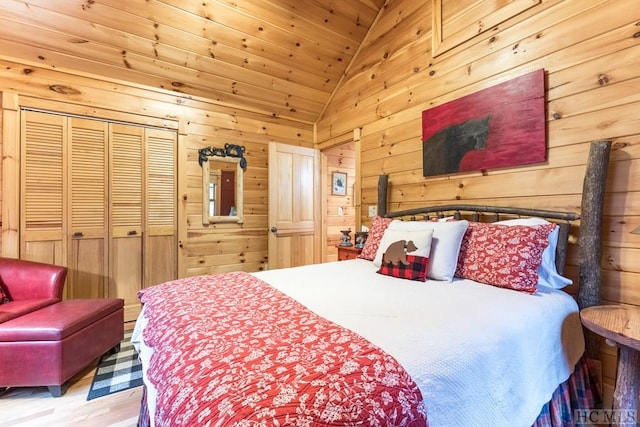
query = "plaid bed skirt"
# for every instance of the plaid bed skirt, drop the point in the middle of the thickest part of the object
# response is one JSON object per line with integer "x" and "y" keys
{"x": 581, "y": 391}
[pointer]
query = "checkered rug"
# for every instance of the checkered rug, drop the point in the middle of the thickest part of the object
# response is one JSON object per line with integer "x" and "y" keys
{"x": 117, "y": 372}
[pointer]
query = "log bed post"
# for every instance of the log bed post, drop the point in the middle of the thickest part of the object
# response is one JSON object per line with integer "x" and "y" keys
{"x": 383, "y": 181}
{"x": 590, "y": 245}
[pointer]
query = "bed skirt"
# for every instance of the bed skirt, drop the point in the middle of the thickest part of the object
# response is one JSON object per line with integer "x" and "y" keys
{"x": 580, "y": 391}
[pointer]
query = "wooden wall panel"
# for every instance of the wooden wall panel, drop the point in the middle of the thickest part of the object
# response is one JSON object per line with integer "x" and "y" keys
{"x": 201, "y": 123}
{"x": 1, "y": 176}
{"x": 543, "y": 38}
{"x": 590, "y": 51}
{"x": 340, "y": 210}
{"x": 10, "y": 174}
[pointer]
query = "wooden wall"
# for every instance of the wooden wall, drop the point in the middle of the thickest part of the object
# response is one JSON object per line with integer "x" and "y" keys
{"x": 201, "y": 123}
{"x": 340, "y": 211}
{"x": 590, "y": 50}
{"x": 1, "y": 195}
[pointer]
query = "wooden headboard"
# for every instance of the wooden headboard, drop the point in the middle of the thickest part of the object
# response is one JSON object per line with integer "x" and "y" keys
{"x": 589, "y": 241}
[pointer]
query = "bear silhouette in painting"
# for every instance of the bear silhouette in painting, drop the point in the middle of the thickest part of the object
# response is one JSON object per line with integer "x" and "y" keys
{"x": 444, "y": 150}
{"x": 397, "y": 252}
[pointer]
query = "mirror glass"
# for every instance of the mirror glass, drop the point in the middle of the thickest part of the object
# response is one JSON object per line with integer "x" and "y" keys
{"x": 222, "y": 190}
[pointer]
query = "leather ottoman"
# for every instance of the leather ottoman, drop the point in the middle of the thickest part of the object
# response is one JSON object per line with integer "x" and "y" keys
{"x": 50, "y": 345}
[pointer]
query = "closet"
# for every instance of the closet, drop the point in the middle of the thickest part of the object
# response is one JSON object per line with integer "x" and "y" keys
{"x": 100, "y": 198}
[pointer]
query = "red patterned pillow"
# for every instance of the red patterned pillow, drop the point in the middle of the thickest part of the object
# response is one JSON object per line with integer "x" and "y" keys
{"x": 415, "y": 270}
{"x": 503, "y": 256}
{"x": 378, "y": 226}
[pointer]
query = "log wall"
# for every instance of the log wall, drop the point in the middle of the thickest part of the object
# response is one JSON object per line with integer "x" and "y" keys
{"x": 590, "y": 51}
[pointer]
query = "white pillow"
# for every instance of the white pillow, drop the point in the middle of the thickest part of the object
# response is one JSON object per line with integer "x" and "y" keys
{"x": 547, "y": 272}
{"x": 445, "y": 245}
{"x": 421, "y": 239}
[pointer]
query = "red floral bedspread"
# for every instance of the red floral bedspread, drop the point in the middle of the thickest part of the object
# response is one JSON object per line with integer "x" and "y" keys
{"x": 229, "y": 349}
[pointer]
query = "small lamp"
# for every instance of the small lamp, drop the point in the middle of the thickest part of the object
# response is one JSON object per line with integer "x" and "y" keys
{"x": 345, "y": 239}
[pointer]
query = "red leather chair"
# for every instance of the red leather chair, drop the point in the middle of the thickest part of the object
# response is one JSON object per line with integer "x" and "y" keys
{"x": 29, "y": 286}
{"x": 45, "y": 340}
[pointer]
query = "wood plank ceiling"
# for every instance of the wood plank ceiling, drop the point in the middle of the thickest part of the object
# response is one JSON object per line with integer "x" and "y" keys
{"x": 281, "y": 57}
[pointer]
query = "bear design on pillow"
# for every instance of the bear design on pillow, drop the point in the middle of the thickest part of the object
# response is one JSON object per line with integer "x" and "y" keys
{"x": 397, "y": 252}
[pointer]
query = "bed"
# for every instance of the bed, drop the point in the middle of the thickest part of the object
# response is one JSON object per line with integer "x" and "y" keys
{"x": 469, "y": 327}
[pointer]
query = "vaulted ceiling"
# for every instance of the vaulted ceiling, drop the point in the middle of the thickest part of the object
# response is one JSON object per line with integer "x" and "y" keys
{"x": 280, "y": 57}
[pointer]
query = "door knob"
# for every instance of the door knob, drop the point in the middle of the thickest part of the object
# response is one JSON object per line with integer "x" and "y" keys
{"x": 274, "y": 229}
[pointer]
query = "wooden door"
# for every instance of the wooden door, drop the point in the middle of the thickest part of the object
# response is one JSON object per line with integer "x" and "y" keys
{"x": 99, "y": 198}
{"x": 88, "y": 237}
{"x": 43, "y": 183}
{"x": 294, "y": 206}
{"x": 161, "y": 231}
{"x": 126, "y": 184}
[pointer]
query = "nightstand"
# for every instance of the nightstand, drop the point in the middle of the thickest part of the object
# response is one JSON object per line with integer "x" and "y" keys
{"x": 620, "y": 324}
{"x": 348, "y": 252}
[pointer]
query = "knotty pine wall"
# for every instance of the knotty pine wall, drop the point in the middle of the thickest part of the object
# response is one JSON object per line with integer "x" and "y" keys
{"x": 340, "y": 159}
{"x": 590, "y": 50}
{"x": 202, "y": 123}
{"x": 1, "y": 195}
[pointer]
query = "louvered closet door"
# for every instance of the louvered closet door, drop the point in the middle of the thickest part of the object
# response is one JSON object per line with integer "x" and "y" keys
{"x": 160, "y": 237}
{"x": 126, "y": 185}
{"x": 43, "y": 198}
{"x": 88, "y": 267}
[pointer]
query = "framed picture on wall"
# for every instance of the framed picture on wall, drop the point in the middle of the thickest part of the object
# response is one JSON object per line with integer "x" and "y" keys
{"x": 339, "y": 184}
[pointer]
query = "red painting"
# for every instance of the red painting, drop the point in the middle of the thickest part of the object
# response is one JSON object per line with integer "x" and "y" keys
{"x": 501, "y": 126}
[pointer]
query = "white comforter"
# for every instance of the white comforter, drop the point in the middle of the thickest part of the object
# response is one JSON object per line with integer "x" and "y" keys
{"x": 482, "y": 356}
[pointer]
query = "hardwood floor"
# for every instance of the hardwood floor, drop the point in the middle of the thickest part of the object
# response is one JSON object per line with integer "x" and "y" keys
{"x": 34, "y": 406}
